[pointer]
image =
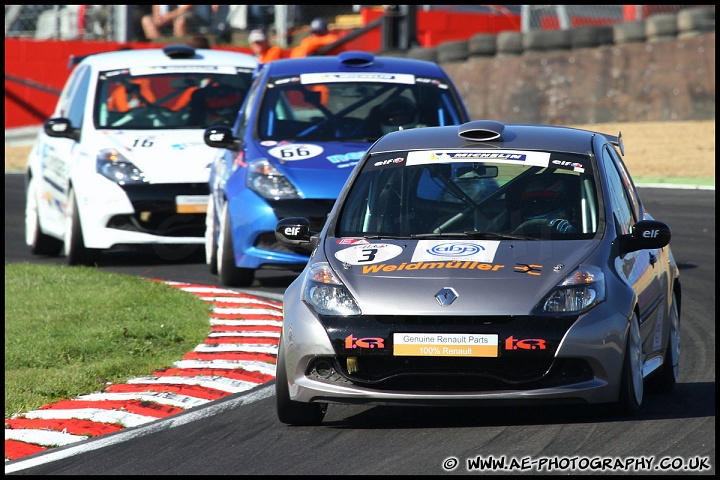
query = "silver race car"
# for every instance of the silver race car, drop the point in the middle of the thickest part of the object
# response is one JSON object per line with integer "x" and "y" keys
{"x": 481, "y": 264}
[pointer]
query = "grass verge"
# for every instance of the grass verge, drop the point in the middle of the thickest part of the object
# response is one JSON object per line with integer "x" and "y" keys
{"x": 71, "y": 331}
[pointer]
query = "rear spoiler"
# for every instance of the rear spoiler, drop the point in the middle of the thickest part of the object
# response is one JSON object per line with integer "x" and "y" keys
{"x": 617, "y": 141}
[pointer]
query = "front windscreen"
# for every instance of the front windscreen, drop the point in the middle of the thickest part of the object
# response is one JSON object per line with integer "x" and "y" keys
{"x": 169, "y": 98}
{"x": 353, "y": 107}
{"x": 476, "y": 193}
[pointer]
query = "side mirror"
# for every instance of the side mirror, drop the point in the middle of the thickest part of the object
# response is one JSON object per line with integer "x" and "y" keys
{"x": 646, "y": 234}
{"x": 220, "y": 136}
{"x": 295, "y": 232}
{"x": 61, "y": 128}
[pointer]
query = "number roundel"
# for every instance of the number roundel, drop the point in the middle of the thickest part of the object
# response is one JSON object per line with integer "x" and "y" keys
{"x": 295, "y": 151}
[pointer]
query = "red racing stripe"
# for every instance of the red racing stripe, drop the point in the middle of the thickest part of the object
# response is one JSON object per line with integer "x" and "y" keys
{"x": 195, "y": 391}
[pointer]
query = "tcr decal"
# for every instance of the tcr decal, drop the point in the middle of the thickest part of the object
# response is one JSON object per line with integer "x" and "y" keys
{"x": 352, "y": 241}
{"x": 368, "y": 342}
{"x": 512, "y": 343}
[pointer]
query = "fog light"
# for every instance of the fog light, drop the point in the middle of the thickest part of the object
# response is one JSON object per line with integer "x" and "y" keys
{"x": 324, "y": 369}
{"x": 352, "y": 365}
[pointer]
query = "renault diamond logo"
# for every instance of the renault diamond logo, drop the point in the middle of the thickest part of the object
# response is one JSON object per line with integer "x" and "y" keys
{"x": 446, "y": 296}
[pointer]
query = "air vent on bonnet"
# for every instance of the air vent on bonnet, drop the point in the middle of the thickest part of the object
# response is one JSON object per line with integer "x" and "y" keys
{"x": 481, "y": 130}
{"x": 179, "y": 51}
{"x": 356, "y": 59}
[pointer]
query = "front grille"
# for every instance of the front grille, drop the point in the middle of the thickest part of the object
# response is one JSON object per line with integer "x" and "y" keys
{"x": 161, "y": 222}
{"x": 451, "y": 375}
{"x": 156, "y": 211}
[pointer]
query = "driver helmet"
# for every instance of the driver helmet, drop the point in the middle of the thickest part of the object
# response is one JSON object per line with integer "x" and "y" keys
{"x": 222, "y": 102}
{"x": 543, "y": 198}
{"x": 398, "y": 114}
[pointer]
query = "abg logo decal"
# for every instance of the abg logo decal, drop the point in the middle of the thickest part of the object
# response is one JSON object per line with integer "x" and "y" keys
{"x": 525, "y": 344}
{"x": 455, "y": 249}
{"x": 369, "y": 342}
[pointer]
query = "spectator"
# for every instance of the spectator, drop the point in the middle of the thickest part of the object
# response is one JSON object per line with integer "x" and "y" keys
{"x": 137, "y": 12}
{"x": 198, "y": 40}
{"x": 177, "y": 20}
{"x": 319, "y": 37}
{"x": 261, "y": 47}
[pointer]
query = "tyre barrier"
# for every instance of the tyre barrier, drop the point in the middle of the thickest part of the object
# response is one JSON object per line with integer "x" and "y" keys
{"x": 540, "y": 41}
{"x": 658, "y": 27}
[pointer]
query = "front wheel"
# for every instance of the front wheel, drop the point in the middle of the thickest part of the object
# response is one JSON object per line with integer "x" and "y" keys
{"x": 211, "y": 244}
{"x": 39, "y": 243}
{"x": 664, "y": 381}
{"x": 229, "y": 273}
{"x": 632, "y": 386}
{"x": 75, "y": 250}
{"x": 290, "y": 411}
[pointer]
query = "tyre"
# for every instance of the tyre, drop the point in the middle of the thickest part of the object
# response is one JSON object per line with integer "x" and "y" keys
{"x": 664, "y": 381}
{"x": 290, "y": 411}
{"x": 632, "y": 386}
{"x": 211, "y": 246}
{"x": 421, "y": 53}
{"x": 482, "y": 45}
{"x": 695, "y": 21}
{"x": 509, "y": 43}
{"x": 39, "y": 243}
{"x": 537, "y": 41}
{"x": 661, "y": 26}
{"x": 591, "y": 36}
{"x": 230, "y": 275}
{"x": 629, "y": 32}
{"x": 75, "y": 250}
{"x": 452, "y": 51}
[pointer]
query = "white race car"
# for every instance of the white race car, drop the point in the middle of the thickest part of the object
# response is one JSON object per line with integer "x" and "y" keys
{"x": 122, "y": 162}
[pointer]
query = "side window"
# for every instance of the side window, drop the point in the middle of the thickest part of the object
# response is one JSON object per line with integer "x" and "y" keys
{"x": 79, "y": 99}
{"x": 627, "y": 181}
{"x": 243, "y": 117}
{"x": 619, "y": 201}
{"x": 68, "y": 90}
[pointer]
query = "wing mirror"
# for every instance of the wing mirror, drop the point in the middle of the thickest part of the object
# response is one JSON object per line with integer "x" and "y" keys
{"x": 295, "y": 232}
{"x": 646, "y": 234}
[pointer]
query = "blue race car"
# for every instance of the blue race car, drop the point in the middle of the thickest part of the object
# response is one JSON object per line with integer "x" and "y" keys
{"x": 305, "y": 124}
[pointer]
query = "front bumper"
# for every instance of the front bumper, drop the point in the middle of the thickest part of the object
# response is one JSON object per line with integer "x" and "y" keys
{"x": 254, "y": 220}
{"x": 581, "y": 361}
{"x": 144, "y": 214}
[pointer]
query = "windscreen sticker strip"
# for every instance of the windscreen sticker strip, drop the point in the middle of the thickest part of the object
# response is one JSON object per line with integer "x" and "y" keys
{"x": 426, "y": 157}
{"x": 183, "y": 69}
{"x": 402, "y": 78}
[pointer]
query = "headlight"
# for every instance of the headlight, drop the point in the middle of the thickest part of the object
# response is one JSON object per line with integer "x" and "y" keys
{"x": 326, "y": 294}
{"x": 111, "y": 164}
{"x": 577, "y": 293}
{"x": 268, "y": 182}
